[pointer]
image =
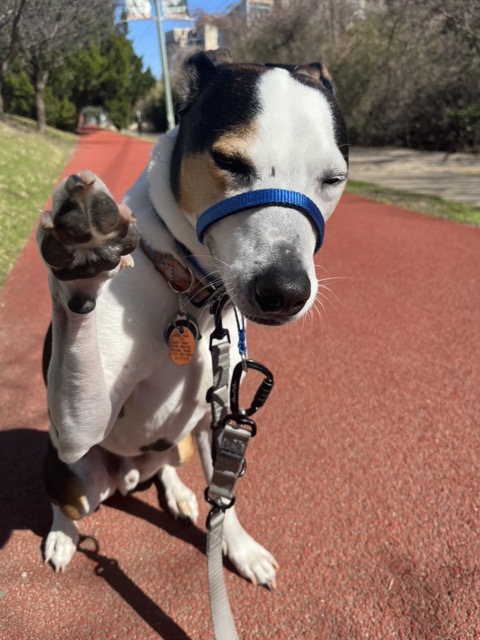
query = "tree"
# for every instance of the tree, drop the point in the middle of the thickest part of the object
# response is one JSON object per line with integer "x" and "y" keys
{"x": 11, "y": 12}
{"x": 52, "y": 31}
{"x": 406, "y": 72}
{"x": 108, "y": 74}
{"x": 153, "y": 107}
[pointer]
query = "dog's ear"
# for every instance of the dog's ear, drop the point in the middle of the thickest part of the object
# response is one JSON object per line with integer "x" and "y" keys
{"x": 197, "y": 72}
{"x": 319, "y": 72}
{"x": 316, "y": 71}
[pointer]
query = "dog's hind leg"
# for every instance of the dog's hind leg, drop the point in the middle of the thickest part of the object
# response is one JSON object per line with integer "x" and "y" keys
{"x": 251, "y": 560}
{"x": 75, "y": 490}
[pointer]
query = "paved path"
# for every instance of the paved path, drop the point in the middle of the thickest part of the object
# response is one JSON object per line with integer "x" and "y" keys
{"x": 364, "y": 479}
{"x": 453, "y": 177}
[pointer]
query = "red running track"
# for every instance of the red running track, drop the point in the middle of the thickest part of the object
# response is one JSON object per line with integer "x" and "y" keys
{"x": 364, "y": 479}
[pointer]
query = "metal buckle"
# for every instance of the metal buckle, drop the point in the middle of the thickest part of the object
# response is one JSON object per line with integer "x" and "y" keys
{"x": 218, "y": 502}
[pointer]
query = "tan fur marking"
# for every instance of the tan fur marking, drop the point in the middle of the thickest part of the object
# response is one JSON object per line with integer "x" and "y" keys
{"x": 202, "y": 183}
{"x": 63, "y": 487}
{"x": 78, "y": 507}
{"x": 233, "y": 143}
{"x": 186, "y": 449}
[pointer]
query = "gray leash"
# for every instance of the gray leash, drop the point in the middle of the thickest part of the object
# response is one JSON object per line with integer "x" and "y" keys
{"x": 231, "y": 434}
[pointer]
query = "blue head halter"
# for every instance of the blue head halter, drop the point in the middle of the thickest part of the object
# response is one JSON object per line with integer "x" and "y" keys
{"x": 263, "y": 198}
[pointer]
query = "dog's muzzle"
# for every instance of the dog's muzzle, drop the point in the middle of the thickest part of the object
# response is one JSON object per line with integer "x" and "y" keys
{"x": 263, "y": 198}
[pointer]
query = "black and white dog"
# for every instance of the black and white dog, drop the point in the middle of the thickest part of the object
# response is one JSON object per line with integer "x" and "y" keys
{"x": 121, "y": 409}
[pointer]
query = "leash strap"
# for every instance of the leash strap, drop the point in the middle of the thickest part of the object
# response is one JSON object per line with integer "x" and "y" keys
{"x": 231, "y": 434}
{"x": 229, "y": 465}
{"x": 221, "y": 613}
{"x": 263, "y": 198}
{"x": 222, "y": 617}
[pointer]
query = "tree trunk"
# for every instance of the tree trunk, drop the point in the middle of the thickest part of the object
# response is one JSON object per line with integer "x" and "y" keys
{"x": 41, "y": 78}
{"x": 12, "y": 49}
{"x": 3, "y": 74}
{"x": 2, "y": 112}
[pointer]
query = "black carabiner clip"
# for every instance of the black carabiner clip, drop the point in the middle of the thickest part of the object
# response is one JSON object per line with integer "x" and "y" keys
{"x": 261, "y": 394}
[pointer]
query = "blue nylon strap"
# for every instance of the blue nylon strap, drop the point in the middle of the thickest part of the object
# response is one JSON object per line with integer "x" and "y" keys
{"x": 262, "y": 198}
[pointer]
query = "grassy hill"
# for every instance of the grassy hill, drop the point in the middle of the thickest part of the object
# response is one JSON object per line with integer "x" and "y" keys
{"x": 30, "y": 164}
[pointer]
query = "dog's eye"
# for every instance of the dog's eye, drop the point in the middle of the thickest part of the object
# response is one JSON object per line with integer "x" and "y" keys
{"x": 334, "y": 180}
{"x": 234, "y": 164}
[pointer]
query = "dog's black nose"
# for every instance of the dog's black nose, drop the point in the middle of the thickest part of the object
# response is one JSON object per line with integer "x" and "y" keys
{"x": 283, "y": 292}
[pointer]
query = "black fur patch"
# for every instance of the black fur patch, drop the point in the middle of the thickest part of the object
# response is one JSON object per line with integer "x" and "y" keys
{"x": 47, "y": 352}
{"x": 81, "y": 303}
{"x": 226, "y": 100}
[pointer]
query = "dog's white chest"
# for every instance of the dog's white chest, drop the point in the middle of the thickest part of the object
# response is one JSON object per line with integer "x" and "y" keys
{"x": 155, "y": 399}
{"x": 164, "y": 407}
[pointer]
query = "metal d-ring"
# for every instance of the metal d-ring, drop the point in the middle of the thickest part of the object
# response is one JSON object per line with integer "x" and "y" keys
{"x": 190, "y": 287}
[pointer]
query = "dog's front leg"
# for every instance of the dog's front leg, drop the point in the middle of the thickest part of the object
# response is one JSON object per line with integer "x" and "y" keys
{"x": 250, "y": 559}
{"x": 78, "y": 399}
{"x": 84, "y": 241}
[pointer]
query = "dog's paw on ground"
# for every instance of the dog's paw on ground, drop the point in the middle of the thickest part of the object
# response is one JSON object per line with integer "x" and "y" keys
{"x": 181, "y": 501}
{"x": 60, "y": 548}
{"x": 86, "y": 233}
{"x": 252, "y": 561}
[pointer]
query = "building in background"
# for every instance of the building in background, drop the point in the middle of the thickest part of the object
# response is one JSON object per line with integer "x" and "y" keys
{"x": 207, "y": 35}
{"x": 183, "y": 41}
{"x": 251, "y": 11}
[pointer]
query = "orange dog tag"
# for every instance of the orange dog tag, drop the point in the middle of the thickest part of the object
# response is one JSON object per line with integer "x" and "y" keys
{"x": 181, "y": 345}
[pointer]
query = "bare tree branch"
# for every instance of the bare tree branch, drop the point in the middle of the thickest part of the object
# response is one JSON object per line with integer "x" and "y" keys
{"x": 50, "y": 31}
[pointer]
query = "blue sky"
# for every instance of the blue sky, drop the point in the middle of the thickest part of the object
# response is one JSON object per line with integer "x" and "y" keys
{"x": 143, "y": 33}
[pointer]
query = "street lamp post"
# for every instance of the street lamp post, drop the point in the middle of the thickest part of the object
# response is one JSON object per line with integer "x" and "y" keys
{"x": 165, "y": 77}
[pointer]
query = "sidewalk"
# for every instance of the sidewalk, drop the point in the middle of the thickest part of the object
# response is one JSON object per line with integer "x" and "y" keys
{"x": 453, "y": 177}
{"x": 363, "y": 479}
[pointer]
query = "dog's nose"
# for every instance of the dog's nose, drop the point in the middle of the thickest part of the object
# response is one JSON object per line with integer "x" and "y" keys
{"x": 282, "y": 292}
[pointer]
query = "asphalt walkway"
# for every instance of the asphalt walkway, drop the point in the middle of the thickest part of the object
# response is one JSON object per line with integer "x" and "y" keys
{"x": 454, "y": 176}
{"x": 364, "y": 478}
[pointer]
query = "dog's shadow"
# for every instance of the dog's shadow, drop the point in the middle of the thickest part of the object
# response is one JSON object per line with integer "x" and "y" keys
{"x": 24, "y": 506}
{"x": 109, "y": 570}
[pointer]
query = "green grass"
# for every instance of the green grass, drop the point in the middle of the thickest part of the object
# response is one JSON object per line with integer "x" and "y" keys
{"x": 430, "y": 205}
{"x": 30, "y": 164}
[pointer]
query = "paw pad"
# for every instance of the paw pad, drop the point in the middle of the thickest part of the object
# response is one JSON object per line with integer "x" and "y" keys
{"x": 87, "y": 233}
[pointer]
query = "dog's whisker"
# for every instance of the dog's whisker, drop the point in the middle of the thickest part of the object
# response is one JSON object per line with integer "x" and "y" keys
{"x": 330, "y": 278}
{"x": 206, "y": 286}
{"x": 212, "y": 257}
{"x": 321, "y": 311}
{"x": 323, "y": 290}
{"x": 309, "y": 318}
{"x": 322, "y": 298}
{"x": 219, "y": 293}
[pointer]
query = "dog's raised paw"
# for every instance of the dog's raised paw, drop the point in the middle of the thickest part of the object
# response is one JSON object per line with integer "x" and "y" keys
{"x": 86, "y": 233}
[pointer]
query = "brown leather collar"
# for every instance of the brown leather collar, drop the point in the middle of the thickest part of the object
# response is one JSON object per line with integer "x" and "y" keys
{"x": 179, "y": 278}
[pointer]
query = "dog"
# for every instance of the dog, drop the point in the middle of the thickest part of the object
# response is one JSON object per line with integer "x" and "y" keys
{"x": 123, "y": 406}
